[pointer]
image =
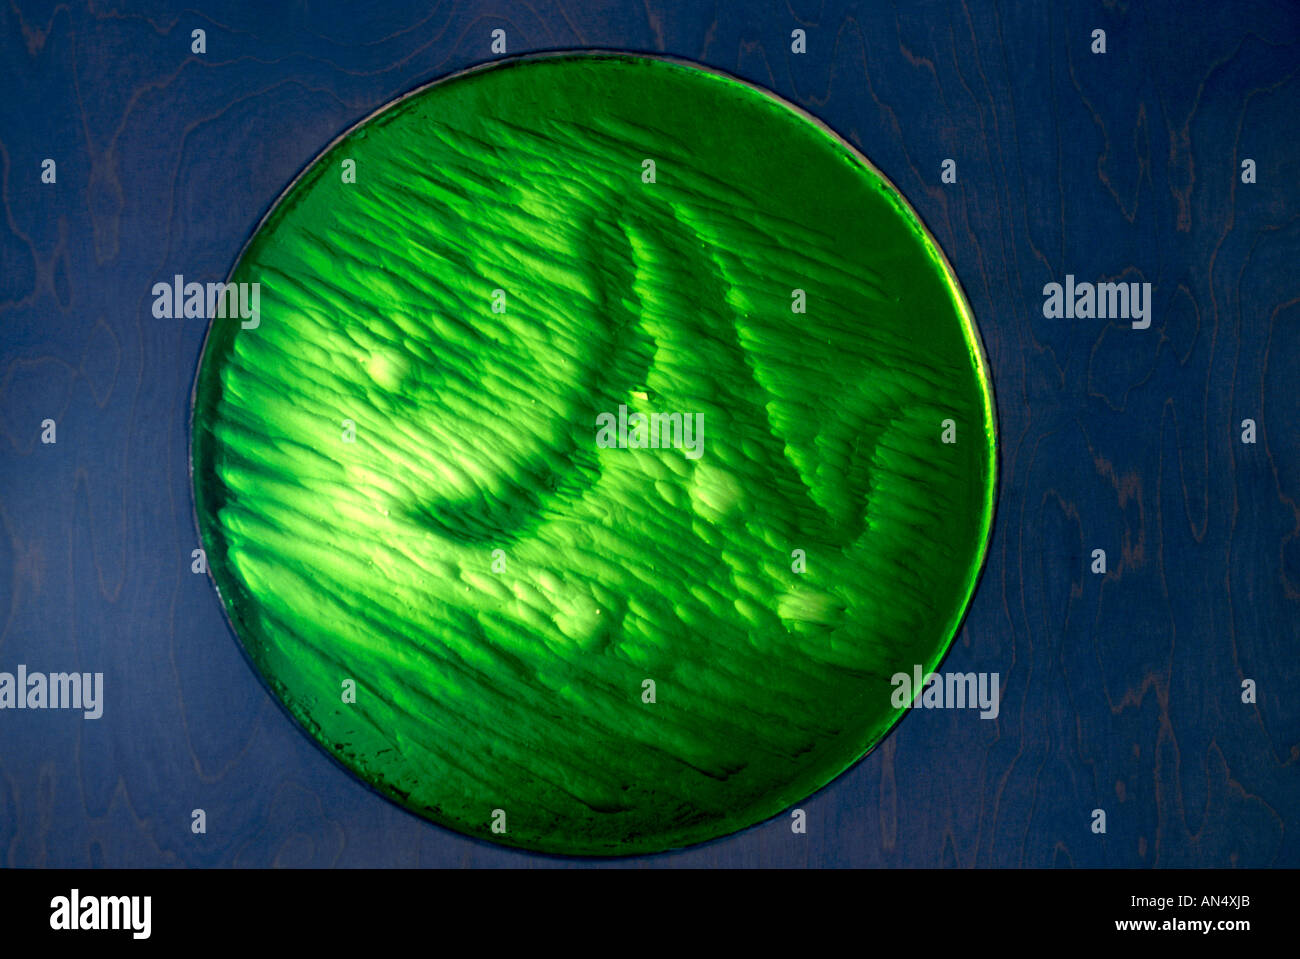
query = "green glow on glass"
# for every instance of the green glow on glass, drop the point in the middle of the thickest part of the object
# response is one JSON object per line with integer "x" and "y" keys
{"x": 475, "y": 431}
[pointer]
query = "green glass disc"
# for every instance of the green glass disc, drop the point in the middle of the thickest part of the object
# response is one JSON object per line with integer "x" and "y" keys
{"x": 555, "y": 642}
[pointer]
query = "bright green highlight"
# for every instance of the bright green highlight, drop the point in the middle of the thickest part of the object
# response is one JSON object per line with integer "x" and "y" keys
{"x": 521, "y": 689}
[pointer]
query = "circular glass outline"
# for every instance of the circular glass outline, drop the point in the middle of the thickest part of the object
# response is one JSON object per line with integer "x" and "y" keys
{"x": 971, "y": 337}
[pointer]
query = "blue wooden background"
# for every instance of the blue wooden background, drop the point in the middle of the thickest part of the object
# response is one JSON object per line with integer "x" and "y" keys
{"x": 1121, "y": 692}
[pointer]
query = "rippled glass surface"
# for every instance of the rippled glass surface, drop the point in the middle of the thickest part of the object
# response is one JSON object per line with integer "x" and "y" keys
{"x": 425, "y": 473}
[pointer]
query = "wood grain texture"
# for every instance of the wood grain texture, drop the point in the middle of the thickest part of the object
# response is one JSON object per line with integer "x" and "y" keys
{"x": 1120, "y": 691}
